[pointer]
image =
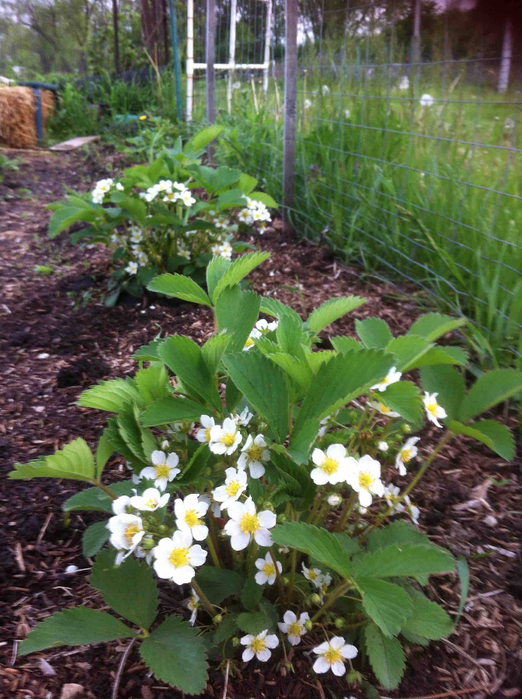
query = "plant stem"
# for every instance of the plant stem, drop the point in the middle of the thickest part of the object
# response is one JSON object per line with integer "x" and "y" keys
{"x": 213, "y": 552}
{"x": 332, "y": 597}
{"x": 213, "y": 534}
{"x": 321, "y": 512}
{"x": 105, "y": 490}
{"x": 346, "y": 513}
{"x": 278, "y": 575}
{"x": 293, "y": 565}
{"x": 204, "y": 599}
{"x": 317, "y": 502}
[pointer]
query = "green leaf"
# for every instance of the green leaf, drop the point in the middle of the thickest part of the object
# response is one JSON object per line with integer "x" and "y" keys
{"x": 152, "y": 383}
{"x": 63, "y": 219}
{"x": 238, "y": 270}
{"x": 435, "y": 325}
{"x": 340, "y": 380}
{"x": 215, "y": 270}
{"x": 112, "y": 396}
{"x": 491, "y": 433}
{"x": 219, "y": 583}
{"x": 79, "y": 626}
{"x": 226, "y": 629}
{"x": 213, "y": 350}
{"x": 290, "y": 336}
{"x": 318, "y": 543}
{"x": 276, "y": 309}
{"x": 448, "y": 383}
{"x": 185, "y": 358}
{"x": 230, "y": 200}
{"x": 404, "y": 398}
{"x": 297, "y": 370}
{"x": 196, "y": 465}
{"x": 149, "y": 352}
{"x": 254, "y": 622}
{"x": 345, "y": 344}
{"x": 236, "y": 313}
{"x": 203, "y": 138}
{"x": 247, "y": 183}
{"x": 428, "y": 620}
{"x": 263, "y": 386}
{"x": 302, "y": 440}
{"x": 408, "y": 349}
{"x": 172, "y": 409}
{"x": 95, "y": 500}
{"x": 264, "y": 198}
{"x": 129, "y": 589}
{"x": 490, "y": 390}
{"x": 103, "y": 453}
{"x": 386, "y": 604}
{"x": 251, "y": 593}
{"x": 439, "y": 355}
{"x": 386, "y": 656}
{"x": 74, "y": 461}
{"x": 463, "y": 571}
{"x": 176, "y": 655}
{"x": 332, "y": 310}
{"x": 403, "y": 560}
{"x": 374, "y": 333}
{"x": 94, "y": 537}
{"x": 180, "y": 287}
{"x": 398, "y": 533}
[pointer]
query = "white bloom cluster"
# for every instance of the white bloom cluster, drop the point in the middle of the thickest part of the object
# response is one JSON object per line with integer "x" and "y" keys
{"x": 392, "y": 494}
{"x": 102, "y": 188}
{"x": 404, "y": 83}
{"x": 255, "y": 212}
{"x": 426, "y": 100}
{"x": 318, "y": 579}
{"x": 224, "y": 250}
{"x": 169, "y": 192}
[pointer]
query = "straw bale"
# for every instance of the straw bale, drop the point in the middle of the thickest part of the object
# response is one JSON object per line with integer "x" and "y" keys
{"x": 17, "y": 116}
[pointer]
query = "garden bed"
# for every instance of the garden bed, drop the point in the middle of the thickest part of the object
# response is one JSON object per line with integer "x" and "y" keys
{"x": 58, "y": 339}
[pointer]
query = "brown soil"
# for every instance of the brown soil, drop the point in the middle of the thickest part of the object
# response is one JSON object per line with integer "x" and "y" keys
{"x": 58, "y": 339}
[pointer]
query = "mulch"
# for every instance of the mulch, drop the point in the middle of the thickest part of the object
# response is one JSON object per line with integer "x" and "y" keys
{"x": 57, "y": 339}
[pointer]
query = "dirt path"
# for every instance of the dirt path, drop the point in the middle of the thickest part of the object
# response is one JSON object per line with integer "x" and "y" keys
{"x": 56, "y": 339}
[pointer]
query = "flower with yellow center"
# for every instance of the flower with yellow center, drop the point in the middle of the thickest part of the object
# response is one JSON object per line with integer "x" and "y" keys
{"x": 383, "y": 409}
{"x": 193, "y": 604}
{"x": 225, "y": 439}
{"x": 150, "y": 500}
{"x": 314, "y": 575}
{"x": 332, "y": 655}
{"x": 164, "y": 469}
{"x": 203, "y": 434}
{"x": 143, "y": 117}
{"x": 293, "y": 627}
{"x": 253, "y": 454}
{"x": 391, "y": 377}
{"x": 235, "y": 485}
{"x": 267, "y": 570}
{"x": 176, "y": 558}
{"x": 408, "y": 452}
{"x": 188, "y": 516}
{"x": 433, "y": 409}
{"x": 366, "y": 480}
{"x": 332, "y": 467}
{"x": 245, "y": 524}
{"x": 258, "y": 646}
{"x": 126, "y": 532}
{"x": 254, "y": 335}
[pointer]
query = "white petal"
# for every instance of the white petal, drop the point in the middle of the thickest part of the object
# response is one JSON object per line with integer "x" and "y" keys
{"x": 318, "y": 457}
{"x": 163, "y": 568}
{"x": 271, "y": 641}
{"x": 263, "y": 655}
{"x": 338, "y": 669}
{"x": 319, "y": 477}
{"x": 248, "y": 654}
{"x": 263, "y": 538}
{"x": 200, "y": 532}
{"x": 240, "y": 541}
{"x": 336, "y": 451}
{"x": 256, "y": 469}
{"x": 261, "y": 578}
{"x": 289, "y": 617}
{"x": 197, "y": 555}
{"x": 282, "y": 627}
{"x": 365, "y": 498}
{"x": 321, "y": 666}
{"x": 337, "y": 642}
{"x": 322, "y": 648}
{"x": 348, "y": 651}
{"x": 250, "y": 507}
{"x": 173, "y": 460}
{"x": 267, "y": 519}
{"x": 157, "y": 458}
{"x": 183, "y": 575}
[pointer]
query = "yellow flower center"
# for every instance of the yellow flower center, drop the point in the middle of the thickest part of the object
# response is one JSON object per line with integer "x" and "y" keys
{"x": 207, "y": 434}
{"x": 294, "y": 629}
{"x": 405, "y": 455}
{"x": 269, "y": 569}
{"x": 249, "y": 342}
{"x": 129, "y": 533}
{"x": 365, "y": 480}
{"x": 193, "y": 603}
{"x": 258, "y": 645}
{"x": 249, "y": 524}
{"x": 330, "y": 466}
{"x": 233, "y": 488}
{"x": 385, "y": 381}
{"x": 162, "y": 471}
{"x": 151, "y": 503}
{"x": 385, "y": 410}
{"x": 312, "y": 575}
{"x": 332, "y": 656}
{"x": 179, "y": 558}
{"x": 191, "y": 518}
{"x": 255, "y": 453}
{"x": 432, "y": 408}
{"x": 228, "y": 439}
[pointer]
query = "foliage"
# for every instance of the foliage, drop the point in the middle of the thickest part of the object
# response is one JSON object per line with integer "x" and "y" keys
{"x": 289, "y": 434}
{"x": 155, "y": 218}
{"x": 7, "y": 165}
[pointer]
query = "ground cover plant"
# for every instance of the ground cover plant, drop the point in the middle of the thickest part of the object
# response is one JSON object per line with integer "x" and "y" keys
{"x": 278, "y": 449}
{"x": 172, "y": 214}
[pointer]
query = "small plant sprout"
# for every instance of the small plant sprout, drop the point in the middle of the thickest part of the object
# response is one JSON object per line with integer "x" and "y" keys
{"x": 434, "y": 411}
{"x": 253, "y": 454}
{"x": 332, "y": 655}
{"x": 246, "y": 524}
{"x": 259, "y": 646}
{"x": 267, "y": 573}
{"x": 405, "y": 454}
{"x": 391, "y": 377}
{"x": 293, "y": 627}
{"x": 164, "y": 470}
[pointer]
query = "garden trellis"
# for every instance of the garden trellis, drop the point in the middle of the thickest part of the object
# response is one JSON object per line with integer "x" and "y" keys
{"x": 407, "y": 144}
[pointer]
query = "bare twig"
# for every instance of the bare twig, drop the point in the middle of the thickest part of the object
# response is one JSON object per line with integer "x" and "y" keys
{"x": 226, "y": 680}
{"x": 454, "y": 693}
{"x": 44, "y": 529}
{"x": 117, "y": 679}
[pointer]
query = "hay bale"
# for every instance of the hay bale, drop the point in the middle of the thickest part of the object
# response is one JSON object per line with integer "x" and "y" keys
{"x": 17, "y": 116}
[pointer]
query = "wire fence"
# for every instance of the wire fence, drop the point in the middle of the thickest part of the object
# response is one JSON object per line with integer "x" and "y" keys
{"x": 404, "y": 157}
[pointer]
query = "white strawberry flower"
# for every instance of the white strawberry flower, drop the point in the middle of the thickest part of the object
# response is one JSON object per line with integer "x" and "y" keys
{"x": 188, "y": 516}
{"x": 176, "y": 558}
{"x": 366, "y": 480}
{"x": 391, "y": 377}
{"x": 253, "y": 454}
{"x": 254, "y": 335}
{"x": 235, "y": 485}
{"x": 226, "y": 251}
{"x": 293, "y": 627}
{"x": 120, "y": 505}
{"x": 412, "y": 510}
{"x": 150, "y": 501}
{"x": 334, "y": 500}
{"x": 126, "y": 533}
{"x": 267, "y": 570}
{"x": 265, "y": 327}
{"x": 314, "y": 575}
{"x": 325, "y": 90}
{"x": 383, "y": 409}
{"x": 426, "y": 100}
{"x": 193, "y": 604}
{"x": 307, "y": 104}
{"x": 332, "y": 655}
{"x": 164, "y": 469}
{"x": 258, "y": 646}
{"x": 325, "y": 584}
{"x": 243, "y": 418}
{"x": 245, "y": 524}
{"x": 404, "y": 83}
{"x": 203, "y": 434}
{"x": 136, "y": 235}
{"x": 187, "y": 198}
{"x": 391, "y": 495}
{"x": 132, "y": 268}
{"x": 408, "y": 452}
{"x": 433, "y": 409}
{"x": 332, "y": 467}
{"x": 225, "y": 439}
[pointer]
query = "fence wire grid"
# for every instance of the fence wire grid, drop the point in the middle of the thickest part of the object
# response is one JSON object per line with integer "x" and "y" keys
{"x": 407, "y": 158}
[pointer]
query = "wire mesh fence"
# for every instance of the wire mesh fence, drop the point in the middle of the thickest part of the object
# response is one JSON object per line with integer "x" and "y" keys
{"x": 407, "y": 158}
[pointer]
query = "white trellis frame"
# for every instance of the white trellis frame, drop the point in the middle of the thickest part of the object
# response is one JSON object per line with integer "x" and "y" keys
{"x": 231, "y": 66}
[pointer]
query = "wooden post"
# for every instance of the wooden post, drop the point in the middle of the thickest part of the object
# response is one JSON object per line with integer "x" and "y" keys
{"x": 211, "y": 59}
{"x": 416, "y": 32}
{"x": 190, "y": 58}
{"x": 231, "y": 53}
{"x": 268, "y": 39}
{"x": 289, "y": 106}
{"x": 116, "y": 37}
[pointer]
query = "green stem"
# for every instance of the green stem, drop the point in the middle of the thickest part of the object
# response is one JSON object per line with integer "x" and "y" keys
{"x": 213, "y": 536}
{"x": 317, "y": 502}
{"x": 321, "y": 512}
{"x": 346, "y": 513}
{"x": 293, "y": 565}
{"x": 105, "y": 490}
{"x": 204, "y": 599}
{"x": 278, "y": 575}
{"x": 213, "y": 552}
{"x": 332, "y": 597}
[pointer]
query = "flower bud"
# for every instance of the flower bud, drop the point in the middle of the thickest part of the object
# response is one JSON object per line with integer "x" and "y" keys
{"x": 354, "y": 677}
{"x": 147, "y": 544}
{"x": 339, "y": 623}
{"x": 283, "y": 550}
{"x": 207, "y": 472}
{"x": 282, "y": 518}
{"x": 217, "y": 619}
{"x": 235, "y": 641}
{"x": 165, "y": 445}
{"x": 315, "y": 599}
{"x": 308, "y": 625}
{"x": 353, "y": 415}
{"x": 334, "y": 500}
{"x": 406, "y": 429}
{"x": 382, "y": 446}
{"x": 269, "y": 506}
{"x": 163, "y": 529}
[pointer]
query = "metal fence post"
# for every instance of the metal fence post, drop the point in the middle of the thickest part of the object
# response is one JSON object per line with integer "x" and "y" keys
{"x": 175, "y": 57}
{"x": 231, "y": 54}
{"x": 211, "y": 59}
{"x": 190, "y": 57}
{"x": 289, "y": 107}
